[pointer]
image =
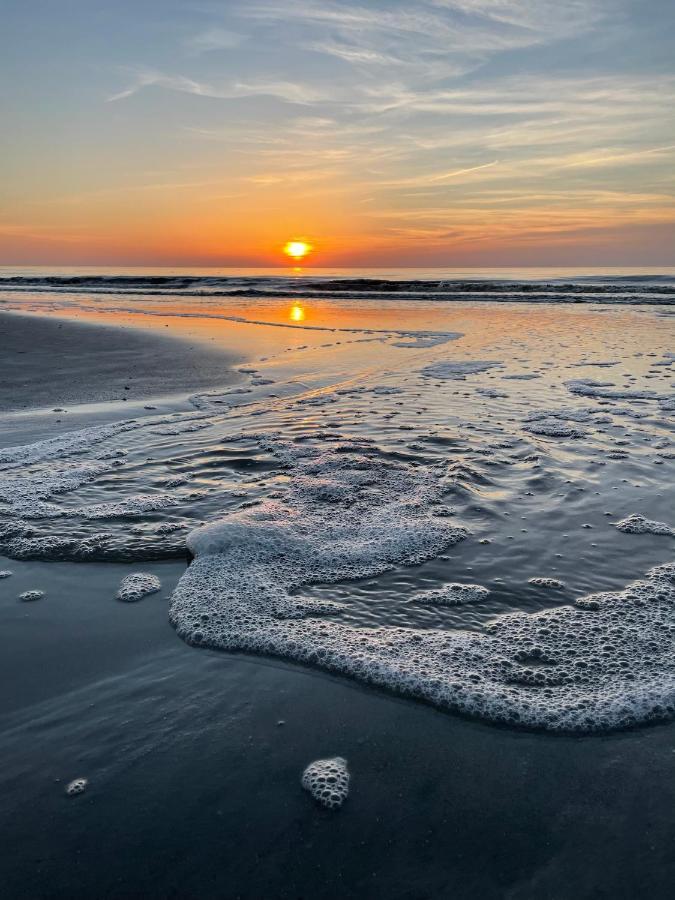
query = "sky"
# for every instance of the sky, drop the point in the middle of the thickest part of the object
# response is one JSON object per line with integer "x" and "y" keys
{"x": 386, "y": 133}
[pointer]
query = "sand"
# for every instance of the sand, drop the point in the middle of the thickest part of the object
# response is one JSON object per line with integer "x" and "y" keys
{"x": 193, "y": 758}
{"x": 194, "y": 786}
{"x": 60, "y": 362}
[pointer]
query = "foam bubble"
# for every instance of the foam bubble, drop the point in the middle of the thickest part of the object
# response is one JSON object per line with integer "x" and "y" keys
{"x": 76, "y": 787}
{"x": 29, "y": 596}
{"x": 419, "y": 340}
{"x": 135, "y": 587}
{"x": 587, "y": 387}
{"x": 453, "y": 594}
{"x": 554, "y": 428}
{"x": 546, "y": 582}
{"x": 636, "y": 524}
{"x": 458, "y": 368}
{"x": 327, "y": 780}
{"x": 5, "y": 573}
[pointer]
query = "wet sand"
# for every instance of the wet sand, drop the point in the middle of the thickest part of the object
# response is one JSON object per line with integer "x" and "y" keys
{"x": 194, "y": 757}
{"x": 194, "y": 763}
{"x": 56, "y": 362}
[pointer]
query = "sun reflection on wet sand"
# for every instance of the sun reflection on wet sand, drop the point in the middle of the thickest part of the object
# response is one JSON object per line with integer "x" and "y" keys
{"x": 297, "y": 313}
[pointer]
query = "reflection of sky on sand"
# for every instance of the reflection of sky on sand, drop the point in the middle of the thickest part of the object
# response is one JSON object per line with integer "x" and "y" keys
{"x": 525, "y": 336}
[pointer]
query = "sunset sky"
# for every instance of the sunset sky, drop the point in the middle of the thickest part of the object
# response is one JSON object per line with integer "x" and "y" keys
{"x": 437, "y": 132}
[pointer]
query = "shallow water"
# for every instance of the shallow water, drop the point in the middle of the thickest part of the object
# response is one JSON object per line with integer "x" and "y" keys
{"x": 378, "y": 449}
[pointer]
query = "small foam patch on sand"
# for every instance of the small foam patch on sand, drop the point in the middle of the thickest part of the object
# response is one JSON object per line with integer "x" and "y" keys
{"x": 134, "y": 587}
{"x": 76, "y": 787}
{"x": 327, "y": 780}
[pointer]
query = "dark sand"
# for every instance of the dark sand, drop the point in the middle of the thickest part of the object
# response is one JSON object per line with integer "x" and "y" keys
{"x": 55, "y": 362}
{"x": 194, "y": 786}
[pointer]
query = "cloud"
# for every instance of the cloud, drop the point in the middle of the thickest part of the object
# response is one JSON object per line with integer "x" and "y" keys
{"x": 585, "y": 159}
{"x": 287, "y": 91}
{"x": 433, "y": 39}
{"x": 437, "y": 178}
{"x": 214, "y": 39}
{"x": 544, "y": 17}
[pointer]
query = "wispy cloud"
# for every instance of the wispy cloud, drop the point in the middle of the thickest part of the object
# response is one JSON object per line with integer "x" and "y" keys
{"x": 585, "y": 159}
{"x": 434, "y": 39}
{"x": 214, "y": 39}
{"x": 286, "y": 91}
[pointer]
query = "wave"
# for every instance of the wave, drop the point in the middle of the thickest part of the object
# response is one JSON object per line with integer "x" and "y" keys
{"x": 584, "y": 289}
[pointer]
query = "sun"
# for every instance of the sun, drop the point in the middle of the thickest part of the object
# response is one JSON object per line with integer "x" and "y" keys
{"x": 297, "y": 250}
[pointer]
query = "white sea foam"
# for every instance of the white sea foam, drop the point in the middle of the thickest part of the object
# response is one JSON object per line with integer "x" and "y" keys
{"x": 453, "y": 594}
{"x": 546, "y": 582}
{"x": 569, "y": 669}
{"x": 348, "y": 513}
{"x": 72, "y": 442}
{"x": 134, "y": 587}
{"x": 418, "y": 340}
{"x": 458, "y": 368}
{"x": 636, "y": 524}
{"x": 76, "y": 787}
{"x": 591, "y": 388}
{"x": 327, "y": 780}
{"x": 554, "y": 428}
{"x": 30, "y": 596}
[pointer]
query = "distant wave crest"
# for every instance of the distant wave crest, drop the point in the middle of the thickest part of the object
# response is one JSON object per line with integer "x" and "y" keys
{"x": 630, "y": 289}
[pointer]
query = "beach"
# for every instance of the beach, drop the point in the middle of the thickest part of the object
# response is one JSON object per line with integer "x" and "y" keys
{"x": 318, "y": 471}
{"x": 81, "y": 364}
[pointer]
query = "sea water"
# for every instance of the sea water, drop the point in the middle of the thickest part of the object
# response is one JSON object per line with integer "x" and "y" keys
{"x": 451, "y": 486}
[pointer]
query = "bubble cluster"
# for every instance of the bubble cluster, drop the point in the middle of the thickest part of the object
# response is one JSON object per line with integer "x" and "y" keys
{"x": 29, "y": 596}
{"x": 5, "y": 573}
{"x": 564, "y": 422}
{"x": 546, "y": 582}
{"x": 327, "y": 780}
{"x": 135, "y": 587}
{"x": 636, "y": 524}
{"x": 76, "y": 787}
{"x": 459, "y": 368}
{"x": 588, "y": 387}
{"x": 453, "y": 594}
{"x": 554, "y": 428}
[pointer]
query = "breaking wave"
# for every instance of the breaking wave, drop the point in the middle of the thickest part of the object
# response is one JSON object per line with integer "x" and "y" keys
{"x": 659, "y": 289}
